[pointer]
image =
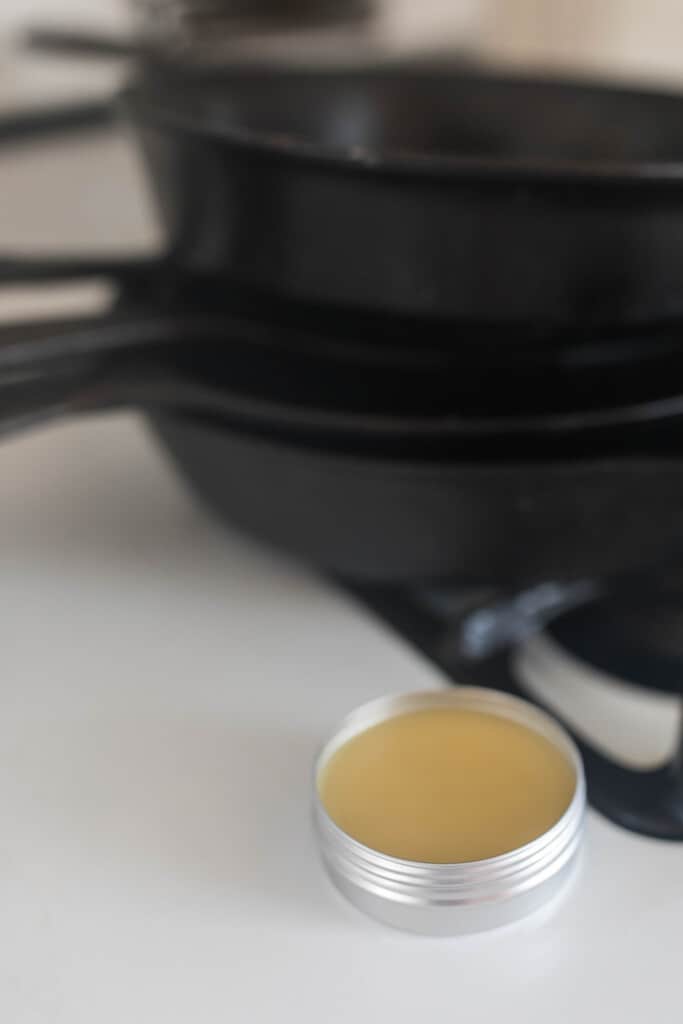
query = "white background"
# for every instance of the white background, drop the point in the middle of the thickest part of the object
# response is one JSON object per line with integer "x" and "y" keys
{"x": 104, "y": 12}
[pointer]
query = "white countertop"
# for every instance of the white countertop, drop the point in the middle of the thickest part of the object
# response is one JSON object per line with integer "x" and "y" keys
{"x": 164, "y": 687}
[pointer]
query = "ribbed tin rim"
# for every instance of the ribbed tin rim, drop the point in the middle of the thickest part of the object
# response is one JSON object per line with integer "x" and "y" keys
{"x": 475, "y": 883}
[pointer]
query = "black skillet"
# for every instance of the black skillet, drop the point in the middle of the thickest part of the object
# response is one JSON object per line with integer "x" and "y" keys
{"x": 422, "y": 193}
{"x": 279, "y": 377}
{"x": 503, "y": 498}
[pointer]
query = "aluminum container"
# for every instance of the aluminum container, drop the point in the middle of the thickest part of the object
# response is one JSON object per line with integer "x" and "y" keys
{"x": 452, "y": 899}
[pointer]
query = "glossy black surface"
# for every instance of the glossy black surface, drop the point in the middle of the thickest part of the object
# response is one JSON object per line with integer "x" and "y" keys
{"x": 425, "y": 194}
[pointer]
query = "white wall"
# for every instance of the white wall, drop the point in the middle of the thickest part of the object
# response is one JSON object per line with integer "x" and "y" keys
{"x": 100, "y": 12}
{"x": 405, "y": 19}
{"x": 34, "y": 80}
{"x": 623, "y": 36}
{"x": 627, "y": 37}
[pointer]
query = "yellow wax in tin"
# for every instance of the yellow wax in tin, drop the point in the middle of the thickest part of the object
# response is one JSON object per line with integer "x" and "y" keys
{"x": 447, "y": 785}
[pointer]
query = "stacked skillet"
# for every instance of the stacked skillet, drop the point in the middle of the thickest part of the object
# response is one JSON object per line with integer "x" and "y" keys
{"x": 409, "y": 324}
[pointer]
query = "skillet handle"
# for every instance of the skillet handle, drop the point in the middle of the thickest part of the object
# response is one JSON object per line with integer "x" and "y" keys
{"x": 52, "y": 369}
{"x": 141, "y": 360}
{"x": 126, "y": 272}
{"x": 47, "y": 369}
{"x": 42, "y": 122}
{"x": 64, "y": 367}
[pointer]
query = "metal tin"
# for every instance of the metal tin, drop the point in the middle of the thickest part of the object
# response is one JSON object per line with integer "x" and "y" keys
{"x": 452, "y": 899}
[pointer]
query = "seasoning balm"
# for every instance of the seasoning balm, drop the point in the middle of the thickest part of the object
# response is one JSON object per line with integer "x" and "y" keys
{"x": 451, "y": 811}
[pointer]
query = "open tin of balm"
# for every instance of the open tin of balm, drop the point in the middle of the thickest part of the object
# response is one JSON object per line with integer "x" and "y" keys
{"x": 449, "y": 812}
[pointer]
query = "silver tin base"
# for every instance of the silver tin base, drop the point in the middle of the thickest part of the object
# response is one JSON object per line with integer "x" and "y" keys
{"x": 463, "y": 920}
{"x": 453, "y": 899}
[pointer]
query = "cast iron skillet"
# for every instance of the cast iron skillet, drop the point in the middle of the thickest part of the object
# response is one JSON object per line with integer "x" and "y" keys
{"x": 270, "y": 377}
{"x": 422, "y": 193}
{"x": 506, "y": 500}
{"x": 501, "y": 499}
